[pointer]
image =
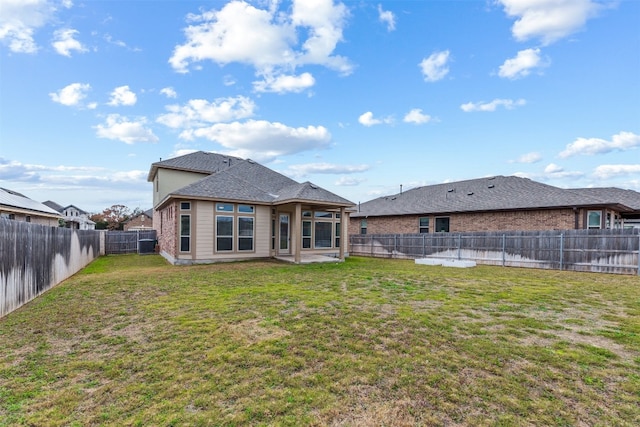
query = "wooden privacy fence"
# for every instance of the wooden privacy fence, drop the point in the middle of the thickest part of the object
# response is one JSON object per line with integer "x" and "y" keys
{"x": 34, "y": 258}
{"x": 128, "y": 242}
{"x": 606, "y": 251}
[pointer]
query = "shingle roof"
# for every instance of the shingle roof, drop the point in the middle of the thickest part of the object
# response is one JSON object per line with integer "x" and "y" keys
{"x": 16, "y": 200}
{"x": 53, "y": 205}
{"x": 612, "y": 195}
{"x": 246, "y": 180}
{"x": 483, "y": 194}
{"x": 199, "y": 161}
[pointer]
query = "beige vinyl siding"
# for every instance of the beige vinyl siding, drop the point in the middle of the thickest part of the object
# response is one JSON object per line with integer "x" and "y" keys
{"x": 168, "y": 180}
{"x": 204, "y": 229}
{"x": 263, "y": 231}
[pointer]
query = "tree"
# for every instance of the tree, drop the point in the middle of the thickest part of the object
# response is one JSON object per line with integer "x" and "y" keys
{"x": 112, "y": 218}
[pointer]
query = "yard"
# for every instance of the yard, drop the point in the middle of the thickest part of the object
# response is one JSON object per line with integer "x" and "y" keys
{"x": 131, "y": 340}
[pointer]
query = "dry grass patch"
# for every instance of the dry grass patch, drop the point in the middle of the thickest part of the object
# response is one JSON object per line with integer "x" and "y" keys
{"x": 133, "y": 341}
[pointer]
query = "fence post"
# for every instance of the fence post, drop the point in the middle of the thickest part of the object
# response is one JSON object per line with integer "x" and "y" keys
{"x": 504, "y": 249}
{"x": 561, "y": 251}
{"x": 459, "y": 244}
{"x": 638, "y": 254}
{"x": 395, "y": 245}
{"x": 424, "y": 250}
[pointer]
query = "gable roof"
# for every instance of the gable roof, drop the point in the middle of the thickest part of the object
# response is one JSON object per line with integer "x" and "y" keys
{"x": 16, "y": 200}
{"x": 199, "y": 162}
{"x": 496, "y": 193}
{"x": 249, "y": 181}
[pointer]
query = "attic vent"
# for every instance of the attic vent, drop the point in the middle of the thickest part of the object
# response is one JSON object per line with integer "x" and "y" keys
{"x": 451, "y": 190}
{"x": 250, "y": 161}
{"x": 470, "y": 193}
{"x": 315, "y": 187}
{"x": 491, "y": 177}
{"x": 393, "y": 198}
{"x": 490, "y": 186}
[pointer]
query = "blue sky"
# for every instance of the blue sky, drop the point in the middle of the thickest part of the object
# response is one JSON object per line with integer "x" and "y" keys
{"x": 358, "y": 97}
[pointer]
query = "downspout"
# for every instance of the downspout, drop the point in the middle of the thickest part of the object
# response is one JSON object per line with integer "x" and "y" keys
{"x": 576, "y": 220}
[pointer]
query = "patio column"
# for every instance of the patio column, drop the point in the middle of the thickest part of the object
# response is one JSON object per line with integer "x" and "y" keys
{"x": 344, "y": 237}
{"x": 295, "y": 233}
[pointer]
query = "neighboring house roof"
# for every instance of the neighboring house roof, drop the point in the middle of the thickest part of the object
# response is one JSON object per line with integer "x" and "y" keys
{"x": 53, "y": 205}
{"x": 247, "y": 180}
{"x": 147, "y": 213}
{"x": 628, "y": 198}
{"x": 199, "y": 161}
{"x": 16, "y": 200}
{"x": 498, "y": 193}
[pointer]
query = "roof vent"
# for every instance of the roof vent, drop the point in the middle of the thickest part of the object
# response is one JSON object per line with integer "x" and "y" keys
{"x": 250, "y": 161}
{"x": 490, "y": 186}
{"x": 393, "y": 198}
{"x": 451, "y": 190}
{"x": 315, "y": 187}
{"x": 470, "y": 193}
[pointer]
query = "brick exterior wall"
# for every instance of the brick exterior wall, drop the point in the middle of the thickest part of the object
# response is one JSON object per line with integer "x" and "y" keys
{"x": 553, "y": 219}
{"x": 139, "y": 222}
{"x": 164, "y": 222}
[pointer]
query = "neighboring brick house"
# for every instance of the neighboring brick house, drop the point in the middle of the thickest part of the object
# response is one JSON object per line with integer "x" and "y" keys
{"x": 18, "y": 207}
{"x": 497, "y": 203}
{"x": 210, "y": 207}
{"x": 74, "y": 217}
{"x": 142, "y": 221}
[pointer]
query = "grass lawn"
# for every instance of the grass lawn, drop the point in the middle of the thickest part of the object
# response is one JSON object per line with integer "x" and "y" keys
{"x": 133, "y": 341}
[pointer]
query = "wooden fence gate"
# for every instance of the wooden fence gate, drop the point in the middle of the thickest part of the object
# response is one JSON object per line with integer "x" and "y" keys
{"x": 130, "y": 242}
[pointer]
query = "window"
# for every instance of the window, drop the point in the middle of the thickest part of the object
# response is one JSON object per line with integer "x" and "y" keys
{"x": 185, "y": 206}
{"x": 337, "y": 235}
{"x": 245, "y": 233}
{"x": 323, "y": 234}
{"x": 185, "y": 233}
{"x": 306, "y": 214}
{"x": 594, "y": 219}
{"x": 246, "y": 209}
{"x": 424, "y": 225}
{"x": 363, "y": 226}
{"x": 442, "y": 224}
{"x": 224, "y": 207}
{"x": 323, "y": 215}
{"x": 306, "y": 234}
{"x": 28, "y": 218}
{"x": 224, "y": 233}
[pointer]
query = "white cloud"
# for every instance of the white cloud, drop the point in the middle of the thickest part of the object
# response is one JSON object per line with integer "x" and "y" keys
{"x": 522, "y": 64}
{"x": 169, "y": 92}
{"x": 284, "y": 83}
{"x": 349, "y": 181}
{"x": 608, "y": 171}
{"x": 200, "y": 112}
{"x": 324, "y": 168}
{"x": 553, "y": 171}
{"x": 64, "y": 42}
{"x": 532, "y": 157}
{"x": 267, "y": 39}
{"x": 417, "y": 117}
{"x": 588, "y": 146}
{"x": 387, "y": 17}
{"x": 120, "y": 128}
{"x": 435, "y": 67}
{"x": 262, "y": 140}
{"x": 122, "y": 95}
{"x": 20, "y": 19}
{"x": 509, "y": 104}
{"x": 548, "y": 20}
{"x": 71, "y": 95}
{"x": 367, "y": 119}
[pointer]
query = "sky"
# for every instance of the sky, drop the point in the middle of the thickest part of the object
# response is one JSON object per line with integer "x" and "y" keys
{"x": 358, "y": 97}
